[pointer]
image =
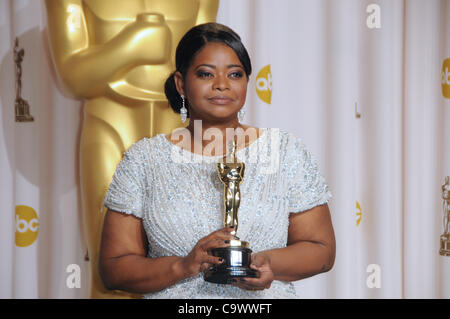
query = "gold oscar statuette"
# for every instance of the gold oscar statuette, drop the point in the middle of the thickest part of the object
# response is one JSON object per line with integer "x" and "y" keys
{"x": 445, "y": 237}
{"x": 22, "y": 108}
{"x": 237, "y": 257}
{"x": 115, "y": 56}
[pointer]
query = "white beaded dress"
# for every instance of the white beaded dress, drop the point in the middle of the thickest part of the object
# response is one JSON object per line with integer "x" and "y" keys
{"x": 179, "y": 198}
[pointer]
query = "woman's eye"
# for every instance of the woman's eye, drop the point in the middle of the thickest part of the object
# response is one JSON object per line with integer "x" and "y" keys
{"x": 204, "y": 74}
{"x": 237, "y": 74}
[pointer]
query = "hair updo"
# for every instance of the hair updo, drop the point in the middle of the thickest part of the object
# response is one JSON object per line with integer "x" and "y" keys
{"x": 191, "y": 43}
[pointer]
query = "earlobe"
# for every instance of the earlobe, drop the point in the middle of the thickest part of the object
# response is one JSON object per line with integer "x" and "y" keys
{"x": 179, "y": 82}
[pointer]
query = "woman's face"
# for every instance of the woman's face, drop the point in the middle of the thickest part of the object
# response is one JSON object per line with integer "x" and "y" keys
{"x": 215, "y": 85}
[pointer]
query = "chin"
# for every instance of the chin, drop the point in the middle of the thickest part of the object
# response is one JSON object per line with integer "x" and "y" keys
{"x": 224, "y": 115}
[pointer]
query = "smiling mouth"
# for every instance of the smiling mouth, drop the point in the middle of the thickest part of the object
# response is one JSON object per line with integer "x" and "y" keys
{"x": 220, "y": 100}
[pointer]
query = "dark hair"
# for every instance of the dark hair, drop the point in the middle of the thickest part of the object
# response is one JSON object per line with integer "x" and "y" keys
{"x": 191, "y": 43}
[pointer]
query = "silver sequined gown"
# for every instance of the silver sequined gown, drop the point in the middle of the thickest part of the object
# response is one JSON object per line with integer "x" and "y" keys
{"x": 179, "y": 198}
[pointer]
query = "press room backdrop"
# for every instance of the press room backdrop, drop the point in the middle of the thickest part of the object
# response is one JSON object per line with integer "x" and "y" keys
{"x": 361, "y": 82}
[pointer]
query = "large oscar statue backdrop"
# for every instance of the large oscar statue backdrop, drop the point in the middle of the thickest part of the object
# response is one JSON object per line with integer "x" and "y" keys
{"x": 115, "y": 55}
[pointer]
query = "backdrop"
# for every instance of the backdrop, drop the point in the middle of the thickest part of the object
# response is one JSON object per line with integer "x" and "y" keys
{"x": 363, "y": 83}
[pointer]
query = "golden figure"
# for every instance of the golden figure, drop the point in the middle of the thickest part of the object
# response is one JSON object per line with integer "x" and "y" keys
{"x": 116, "y": 56}
{"x": 445, "y": 237}
{"x": 237, "y": 257}
{"x": 22, "y": 108}
{"x": 231, "y": 174}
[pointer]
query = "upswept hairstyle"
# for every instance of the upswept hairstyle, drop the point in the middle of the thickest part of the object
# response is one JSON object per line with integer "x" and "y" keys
{"x": 191, "y": 43}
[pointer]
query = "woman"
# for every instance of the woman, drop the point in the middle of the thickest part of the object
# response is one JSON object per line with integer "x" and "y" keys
{"x": 165, "y": 214}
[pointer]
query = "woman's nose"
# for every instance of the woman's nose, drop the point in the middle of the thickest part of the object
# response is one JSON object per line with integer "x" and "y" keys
{"x": 220, "y": 83}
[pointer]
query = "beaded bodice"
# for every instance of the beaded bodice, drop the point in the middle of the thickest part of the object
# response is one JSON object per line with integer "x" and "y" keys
{"x": 179, "y": 198}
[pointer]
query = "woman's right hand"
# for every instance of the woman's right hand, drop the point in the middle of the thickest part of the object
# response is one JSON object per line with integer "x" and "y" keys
{"x": 199, "y": 259}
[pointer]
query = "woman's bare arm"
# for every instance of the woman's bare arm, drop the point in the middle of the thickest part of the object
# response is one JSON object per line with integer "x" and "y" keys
{"x": 124, "y": 265}
{"x": 311, "y": 246}
{"x": 123, "y": 262}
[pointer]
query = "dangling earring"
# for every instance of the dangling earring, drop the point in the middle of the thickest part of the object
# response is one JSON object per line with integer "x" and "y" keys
{"x": 241, "y": 115}
{"x": 183, "y": 111}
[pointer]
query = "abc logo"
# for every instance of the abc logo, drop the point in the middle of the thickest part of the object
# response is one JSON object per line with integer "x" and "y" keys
{"x": 27, "y": 226}
{"x": 446, "y": 78}
{"x": 264, "y": 84}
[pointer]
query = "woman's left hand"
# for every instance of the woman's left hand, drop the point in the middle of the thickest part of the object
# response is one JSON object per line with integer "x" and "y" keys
{"x": 261, "y": 263}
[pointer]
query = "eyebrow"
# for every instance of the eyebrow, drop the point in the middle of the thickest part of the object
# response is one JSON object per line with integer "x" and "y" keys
{"x": 229, "y": 66}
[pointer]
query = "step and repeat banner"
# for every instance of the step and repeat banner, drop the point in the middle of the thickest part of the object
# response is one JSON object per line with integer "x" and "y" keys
{"x": 364, "y": 84}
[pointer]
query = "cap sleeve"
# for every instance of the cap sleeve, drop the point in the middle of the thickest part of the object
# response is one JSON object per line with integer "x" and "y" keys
{"x": 125, "y": 193}
{"x": 307, "y": 188}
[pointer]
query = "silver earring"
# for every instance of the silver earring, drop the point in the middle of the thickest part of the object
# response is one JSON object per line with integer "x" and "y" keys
{"x": 241, "y": 115}
{"x": 183, "y": 111}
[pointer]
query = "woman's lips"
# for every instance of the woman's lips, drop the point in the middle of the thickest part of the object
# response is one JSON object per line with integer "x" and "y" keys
{"x": 220, "y": 100}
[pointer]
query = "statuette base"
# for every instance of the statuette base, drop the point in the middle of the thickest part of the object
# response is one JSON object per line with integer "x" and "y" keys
{"x": 236, "y": 264}
{"x": 24, "y": 118}
{"x": 445, "y": 246}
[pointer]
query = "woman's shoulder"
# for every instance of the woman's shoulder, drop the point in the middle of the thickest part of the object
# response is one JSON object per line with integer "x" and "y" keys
{"x": 289, "y": 143}
{"x": 271, "y": 132}
{"x": 145, "y": 146}
{"x": 283, "y": 136}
